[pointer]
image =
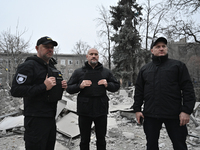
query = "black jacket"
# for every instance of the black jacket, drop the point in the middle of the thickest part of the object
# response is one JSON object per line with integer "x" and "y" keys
{"x": 92, "y": 101}
{"x": 28, "y": 83}
{"x": 165, "y": 88}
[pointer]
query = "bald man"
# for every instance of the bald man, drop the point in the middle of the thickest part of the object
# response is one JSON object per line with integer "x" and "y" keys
{"x": 91, "y": 82}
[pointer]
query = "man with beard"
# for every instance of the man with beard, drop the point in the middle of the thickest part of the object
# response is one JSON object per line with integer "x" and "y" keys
{"x": 92, "y": 81}
{"x": 165, "y": 88}
{"x": 41, "y": 85}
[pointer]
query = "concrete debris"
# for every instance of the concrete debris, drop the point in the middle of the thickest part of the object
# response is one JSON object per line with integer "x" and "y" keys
{"x": 111, "y": 123}
{"x": 129, "y": 135}
{"x": 161, "y": 145}
{"x": 60, "y": 106}
{"x": 129, "y": 115}
{"x": 13, "y": 113}
{"x": 123, "y": 93}
{"x": 68, "y": 125}
{"x": 114, "y": 133}
{"x": 123, "y": 131}
{"x": 3, "y": 132}
{"x": 12, "y": 122}
{"x": 198, "y": 129}
{"x": 71, "y": 105}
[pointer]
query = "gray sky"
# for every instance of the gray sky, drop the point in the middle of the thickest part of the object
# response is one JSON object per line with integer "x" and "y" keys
{"x": 66, "y": 21}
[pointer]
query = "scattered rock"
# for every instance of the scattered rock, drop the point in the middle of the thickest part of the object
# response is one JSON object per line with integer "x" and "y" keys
{"x": 129, "y": 135}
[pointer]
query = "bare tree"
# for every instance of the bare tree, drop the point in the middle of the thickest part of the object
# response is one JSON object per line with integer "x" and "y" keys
{"x": 187, "y": 5}
{"x": 105, "y": 33}
{"x": 13, "y": 49}
{"x": 181, "y": 28}
{"x": 81, "y": 47}
{"x": 154, "y": 15}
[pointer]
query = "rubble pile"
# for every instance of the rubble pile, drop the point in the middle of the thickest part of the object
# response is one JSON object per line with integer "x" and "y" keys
{"x": 8, "y": 104}
{"x": 123, "y": 133}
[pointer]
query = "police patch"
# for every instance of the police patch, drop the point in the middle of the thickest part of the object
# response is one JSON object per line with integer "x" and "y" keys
{"x": 21, "y": 78}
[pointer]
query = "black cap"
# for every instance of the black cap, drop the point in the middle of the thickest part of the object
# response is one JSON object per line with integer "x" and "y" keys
{"x": 46, "y": 40}
{"x": 160, "y": 39}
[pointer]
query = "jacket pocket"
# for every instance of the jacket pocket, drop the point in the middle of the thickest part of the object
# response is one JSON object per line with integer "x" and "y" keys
{"x": 83, "y": 105}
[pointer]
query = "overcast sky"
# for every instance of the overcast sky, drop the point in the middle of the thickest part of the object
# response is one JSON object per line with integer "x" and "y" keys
{"x": 66, "y": 21}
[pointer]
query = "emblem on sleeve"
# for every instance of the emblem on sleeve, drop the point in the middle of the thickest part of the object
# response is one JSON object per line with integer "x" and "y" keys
{"x": 21, "y": 78}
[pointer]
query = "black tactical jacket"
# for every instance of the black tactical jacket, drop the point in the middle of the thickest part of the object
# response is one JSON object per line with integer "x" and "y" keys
{"x": 165, "y": 88}
{"x": 28, "y": 83}
{"x": 92, "y": 101}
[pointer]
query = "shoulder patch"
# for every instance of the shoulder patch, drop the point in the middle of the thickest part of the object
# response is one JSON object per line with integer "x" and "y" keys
{"x": 21, "y": 78}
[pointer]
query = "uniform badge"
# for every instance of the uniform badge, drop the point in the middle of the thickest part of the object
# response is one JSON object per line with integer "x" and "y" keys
{"x": 21, "y": 78}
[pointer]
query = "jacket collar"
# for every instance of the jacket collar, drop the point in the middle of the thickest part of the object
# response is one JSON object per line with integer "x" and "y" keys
{"x": 90, "y": 67}
{"x": 52, "y": 61}
{"x": 159, "y": 59}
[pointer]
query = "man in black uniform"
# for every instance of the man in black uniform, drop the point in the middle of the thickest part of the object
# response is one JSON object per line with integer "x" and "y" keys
{"x": 41, "y": 85}
{"x": 165, "y": 88}
{"x": 92, "y": 81}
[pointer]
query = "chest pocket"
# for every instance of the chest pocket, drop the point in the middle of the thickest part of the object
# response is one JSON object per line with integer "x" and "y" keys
{"x": 94, "y": 89}
{"x": 56, "y": 92}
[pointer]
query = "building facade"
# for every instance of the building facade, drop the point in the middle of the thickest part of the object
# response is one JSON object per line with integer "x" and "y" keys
{"x": 67, "y": 63}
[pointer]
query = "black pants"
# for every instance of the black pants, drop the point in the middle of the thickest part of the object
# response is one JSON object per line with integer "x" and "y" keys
{"x": 100, "y": 130}
{"x": 40, "y": 133}
{"x": 177, "y": 133}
